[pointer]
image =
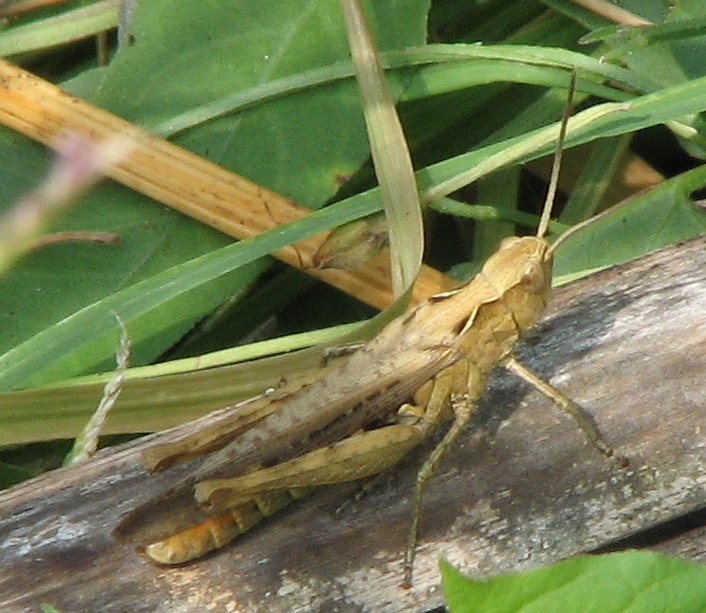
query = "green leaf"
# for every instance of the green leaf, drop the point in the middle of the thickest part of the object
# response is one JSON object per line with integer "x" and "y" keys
{"x": 664, "y": 215}
{"x": 390, "y": 153}
{"x": 296, "y": 145}
{"x": 626, "y": 582}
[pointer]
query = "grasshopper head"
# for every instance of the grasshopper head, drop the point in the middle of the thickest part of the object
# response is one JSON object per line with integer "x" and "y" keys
{"x": 521, "y": 272}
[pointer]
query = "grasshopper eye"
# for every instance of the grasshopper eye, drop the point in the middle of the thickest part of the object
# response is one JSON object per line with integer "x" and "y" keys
{"x": 534, "y": 279}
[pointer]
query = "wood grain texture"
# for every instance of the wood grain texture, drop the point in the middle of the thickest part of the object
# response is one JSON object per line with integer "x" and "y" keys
{"x": 524, "y": 488}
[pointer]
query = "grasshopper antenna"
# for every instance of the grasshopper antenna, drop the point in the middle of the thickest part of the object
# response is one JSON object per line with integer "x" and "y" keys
{"x": 554, "y": 180}
{"x": 556, "y": 166}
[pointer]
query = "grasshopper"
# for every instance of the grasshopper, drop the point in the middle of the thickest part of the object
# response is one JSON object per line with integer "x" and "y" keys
{"x": 361, "y": 416}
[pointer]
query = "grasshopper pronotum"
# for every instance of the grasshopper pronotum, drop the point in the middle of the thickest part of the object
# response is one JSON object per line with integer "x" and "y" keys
{"x": 360, "y": 417}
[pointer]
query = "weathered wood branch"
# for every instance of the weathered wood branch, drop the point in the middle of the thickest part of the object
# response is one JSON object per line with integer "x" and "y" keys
{"x": 524, "y": 488}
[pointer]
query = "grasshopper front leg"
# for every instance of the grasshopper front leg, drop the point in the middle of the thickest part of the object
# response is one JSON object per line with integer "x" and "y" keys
{"x": 563, "y": 402}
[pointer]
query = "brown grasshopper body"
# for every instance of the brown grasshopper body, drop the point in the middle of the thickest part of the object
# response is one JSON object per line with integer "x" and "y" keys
{"x": 424, "y": 367}
{"x": 360, "y": 417}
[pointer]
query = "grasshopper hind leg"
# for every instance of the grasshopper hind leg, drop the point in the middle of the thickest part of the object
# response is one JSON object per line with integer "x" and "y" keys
{"x": 215, "y": 532}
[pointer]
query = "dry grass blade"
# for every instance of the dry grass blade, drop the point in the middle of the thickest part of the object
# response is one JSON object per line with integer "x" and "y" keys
{"x": 391, "y": 157}
{"x": 186, "y": 182}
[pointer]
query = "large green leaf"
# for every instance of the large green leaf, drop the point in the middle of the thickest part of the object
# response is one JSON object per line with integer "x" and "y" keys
{"x": 627, "y": 582}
